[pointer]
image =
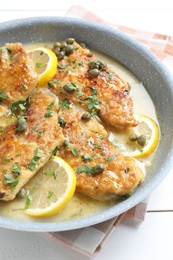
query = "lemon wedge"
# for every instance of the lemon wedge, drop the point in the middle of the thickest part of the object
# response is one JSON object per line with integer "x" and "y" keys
{"x": 144, "y": 139}
{"x": 45, "y": 62}
{"x": 51, "y": 188}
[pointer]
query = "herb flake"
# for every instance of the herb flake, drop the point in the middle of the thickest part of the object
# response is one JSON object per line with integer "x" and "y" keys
{"x": 90, "y": 170}
{"x": 49, "y": 112}
{"x": 110, "y": 158}
{"x": 34, "y": 160}
{"x": 10, "y": 180}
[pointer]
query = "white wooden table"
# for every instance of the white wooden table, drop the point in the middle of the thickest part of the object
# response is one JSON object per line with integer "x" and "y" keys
{"x": 151, "y": 239}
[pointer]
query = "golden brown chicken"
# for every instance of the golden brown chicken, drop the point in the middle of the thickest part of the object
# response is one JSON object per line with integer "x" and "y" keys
{"x": 27, "y": 145}
{"x": 17, "y": 75}
{"x": 102, "y": 171}
{"x": 85, "y": 81}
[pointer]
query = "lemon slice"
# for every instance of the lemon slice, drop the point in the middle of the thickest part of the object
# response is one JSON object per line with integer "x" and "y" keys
{"x": 45, "y": 62}
{"x": 51, "y": 188}
{"x": 144, "y": 138}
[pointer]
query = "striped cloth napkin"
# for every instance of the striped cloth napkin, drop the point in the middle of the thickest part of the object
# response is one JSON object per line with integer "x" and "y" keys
{"x": 89, "y": 240}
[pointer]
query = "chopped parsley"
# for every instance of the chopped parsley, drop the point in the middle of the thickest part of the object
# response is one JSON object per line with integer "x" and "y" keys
{"x": 86, "y": 157}
{"x": 2, "y": 129}
{"x": 5, "y": 159}
{"x": 41, "y": 133}
{"x": 52, "y": 82}
{"x": 2, "y": 96}
{"x": 51, "y": 174}
{"x": 95, "y": 146}
{"x": 38, "y": 65}
{"x": 49, "y": 112}
{"x": 66, "y": 144}
{"x": 18, "y": 106}
{"x": 110, "y": 77}
{"x": 16, "y": 168}
{"x": 110, "y": 158}
{"x": 61, "y": 66}
{"x": 50, "y": 194}
{"x": 103, "y": 153}
{"x": 93, "y": 102}
{"x": 90, "y": 170}
{"x": 65, "y": 104}
{"x": 10, "y": 180}
{"x": 94, "y": 90}
{"x": 74, "y": 152}
{"x": 34, "y": 160}
{"x": 28, "y": 199}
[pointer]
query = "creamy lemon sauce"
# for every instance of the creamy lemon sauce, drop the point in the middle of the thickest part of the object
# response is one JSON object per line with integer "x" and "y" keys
{"x": 80, "y": 205}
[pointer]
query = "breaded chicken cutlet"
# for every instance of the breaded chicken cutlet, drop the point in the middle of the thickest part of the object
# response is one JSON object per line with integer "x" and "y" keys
{"x": 27, "y": 145}
{"x": 102, "y": 171}
{"x": 87, "y": 82}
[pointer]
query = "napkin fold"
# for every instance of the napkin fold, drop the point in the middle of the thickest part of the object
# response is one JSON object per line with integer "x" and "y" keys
{"x": 89, "y": 240}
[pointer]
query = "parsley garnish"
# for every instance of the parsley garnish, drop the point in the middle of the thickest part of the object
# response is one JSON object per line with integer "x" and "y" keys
{"x": 61, "y": 66}
{"x": 93, "y": 99}
{"x": 28, "y": 200}
{"x": 9, "y": 179}
{"x": 110, "y": 76}
{"x": 65, "y": 104}
{"x": 49, "y": 113}
{"x": 2, "y": 96}
{"x": 18, "y": 106}
{"x": 95, "y": 146}
{"x": 5, "y": 159}
{"x": 66, "y": 144}
{"x": 34, "y": 160}
{"x": 94, "y": 90}
{"x": 90, "y": 170}
{"x": 53, "y": 174}
{"x": 110, "y": 158}
{"x": 50, "y": 194}
{"x": 86, "y": 157}
{"x": 16, "y": 168}
{"x": 41, "y": 133}
{"x": 53, "y": 81}
{"x": 2, "y": 129}
{"x": 74, "y": 152}
{"x": 38, "y": 65}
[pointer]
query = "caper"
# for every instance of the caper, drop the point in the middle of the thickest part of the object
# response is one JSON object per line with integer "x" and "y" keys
{"x": 56, "y": 50}
{"x": 70, "y": 40}
{"x": 63, "y": 45}
{"x": 21, "y": 125}
{"x": 90, "y": 54}
{"x": 101, "y": 65}
{"x": 141, "y": 140}
{"x": 60, "y": 55}
{"x": 57, "y": 44}
{"x": 94, "y": 73}
{"x": 133, "y": 137}
{"x": 22, "y": 193}
{"x": 82, "y": 45}
{"x": 86, "y": 116}
{"x": 69, "y": 49}
{"x": 68, "y": 87}
{"x": 99, "y": 168}
{"x": 93, "y": 65}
